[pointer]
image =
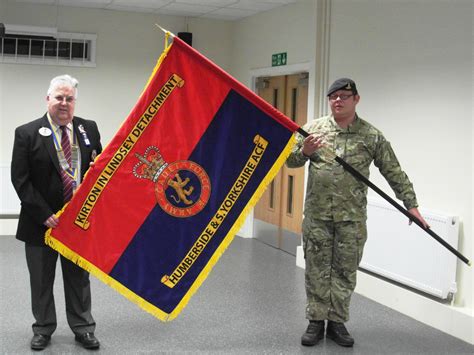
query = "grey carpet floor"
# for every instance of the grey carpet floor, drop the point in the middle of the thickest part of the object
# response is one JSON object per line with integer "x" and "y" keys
{"x": 251, "y": 303}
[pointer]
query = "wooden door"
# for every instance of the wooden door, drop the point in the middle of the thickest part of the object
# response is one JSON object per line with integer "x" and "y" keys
{"x": 278, "y": 214}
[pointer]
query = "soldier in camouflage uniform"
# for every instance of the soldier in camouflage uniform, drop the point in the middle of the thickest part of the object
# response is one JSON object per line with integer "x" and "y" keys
{"x": 335, "y": 213}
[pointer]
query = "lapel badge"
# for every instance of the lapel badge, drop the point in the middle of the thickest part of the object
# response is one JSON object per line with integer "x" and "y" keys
{"x": 93, "y": 154}
{"x": 45, "y": 131}
{"x": 83, "y": 134}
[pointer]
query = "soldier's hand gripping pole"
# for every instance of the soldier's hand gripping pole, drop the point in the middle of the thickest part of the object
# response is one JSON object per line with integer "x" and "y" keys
{"x": 395, "y": 204}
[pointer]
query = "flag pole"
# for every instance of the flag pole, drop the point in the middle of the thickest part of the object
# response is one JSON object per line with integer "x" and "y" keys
{"x": 395, "y": 204}
{"x": 167, "y": 35}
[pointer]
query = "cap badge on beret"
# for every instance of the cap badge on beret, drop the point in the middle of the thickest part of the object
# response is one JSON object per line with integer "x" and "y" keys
{"x": 342, "y": 84}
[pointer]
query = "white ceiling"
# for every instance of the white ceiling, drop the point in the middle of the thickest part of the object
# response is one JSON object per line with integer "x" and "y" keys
{"x": 217, "y": 9}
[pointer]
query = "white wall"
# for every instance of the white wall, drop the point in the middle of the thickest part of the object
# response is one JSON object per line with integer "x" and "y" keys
{"x": 128, "y": 45}
{"x": 287, "y": 29}
{"x": 412, "y": 60}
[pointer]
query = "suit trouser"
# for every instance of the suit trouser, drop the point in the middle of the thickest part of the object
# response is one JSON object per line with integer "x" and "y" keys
{"x": 333, "y": 251}
{"x": 41, "y": 261}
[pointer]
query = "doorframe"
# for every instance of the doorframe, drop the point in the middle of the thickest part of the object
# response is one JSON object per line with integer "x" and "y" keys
{"x": 306, "y": 67}
{"x": 247, "y": 228}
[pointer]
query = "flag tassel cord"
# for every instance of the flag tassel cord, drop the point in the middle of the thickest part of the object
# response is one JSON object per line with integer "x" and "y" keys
{"x": 390, "y": 200}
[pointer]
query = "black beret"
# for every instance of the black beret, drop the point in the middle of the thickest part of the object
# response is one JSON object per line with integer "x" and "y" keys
{"x": 343, "y": 84}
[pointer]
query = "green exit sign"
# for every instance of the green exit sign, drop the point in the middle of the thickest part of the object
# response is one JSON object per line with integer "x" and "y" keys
{"x": 278, "y": 59}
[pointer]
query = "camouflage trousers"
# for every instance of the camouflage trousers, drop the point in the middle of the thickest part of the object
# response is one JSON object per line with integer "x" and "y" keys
{"x": 333, "y": 251}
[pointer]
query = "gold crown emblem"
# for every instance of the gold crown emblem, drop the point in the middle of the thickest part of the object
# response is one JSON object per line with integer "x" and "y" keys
{"x": 151, "y": 164}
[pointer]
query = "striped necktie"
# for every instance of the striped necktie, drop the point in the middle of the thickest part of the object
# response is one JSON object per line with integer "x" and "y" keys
{"x": 68, "y": 181}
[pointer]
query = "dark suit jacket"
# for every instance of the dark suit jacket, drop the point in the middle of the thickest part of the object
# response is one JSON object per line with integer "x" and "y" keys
{"x": 35, "y": 174}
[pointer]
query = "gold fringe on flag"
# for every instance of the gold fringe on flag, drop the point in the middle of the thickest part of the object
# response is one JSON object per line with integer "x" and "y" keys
{"x": 145, "y": 305}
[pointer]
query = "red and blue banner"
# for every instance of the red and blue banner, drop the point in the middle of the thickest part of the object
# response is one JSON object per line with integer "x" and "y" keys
{"x": 168, "y": 193}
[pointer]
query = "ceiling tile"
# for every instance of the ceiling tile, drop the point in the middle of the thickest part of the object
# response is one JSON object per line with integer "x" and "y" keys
{"x": 215, "y": 3}
{"x": 221, "y": 17}
{"x": 152, "y": 4}
{"x": 39, "y": 2}
{"x": 279, "y": 2}
{"x": 170, "y": 12}
{"x": 85, "y": 3}
{"x": 218, "y": 9}
{"x": 254, "y": 5}
{"x": 227, "y": 11}
{"x": 196, "y": 9}
{"x": 131, "y": 8}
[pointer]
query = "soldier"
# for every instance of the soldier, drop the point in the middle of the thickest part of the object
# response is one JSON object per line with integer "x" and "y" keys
{"x": 335, "y": 213}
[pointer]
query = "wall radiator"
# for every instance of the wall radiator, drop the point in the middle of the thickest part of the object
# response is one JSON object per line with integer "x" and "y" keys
{"x": 407, "y": 254}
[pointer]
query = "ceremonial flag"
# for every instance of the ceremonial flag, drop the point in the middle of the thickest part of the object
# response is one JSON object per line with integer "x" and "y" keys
{"x": 168, "y": 193}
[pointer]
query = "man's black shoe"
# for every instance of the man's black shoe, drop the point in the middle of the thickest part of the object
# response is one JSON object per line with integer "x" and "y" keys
{"x": 40, "y": 341}
{"x": 88, "y": 340}
{"x": 314, "y": 333}
{"x": 338, "y": 332}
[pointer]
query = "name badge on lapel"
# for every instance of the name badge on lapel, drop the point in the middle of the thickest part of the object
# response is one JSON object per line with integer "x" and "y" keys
{"x": 45, "y": 131}
{"x": 83, "y": 134}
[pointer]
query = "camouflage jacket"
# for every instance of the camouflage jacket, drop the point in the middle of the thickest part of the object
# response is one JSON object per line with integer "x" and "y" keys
{"x": 333, "y": 193}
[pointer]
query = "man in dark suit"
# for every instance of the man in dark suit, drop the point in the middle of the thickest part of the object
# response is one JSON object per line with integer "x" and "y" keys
{"x": 50, "y": 157}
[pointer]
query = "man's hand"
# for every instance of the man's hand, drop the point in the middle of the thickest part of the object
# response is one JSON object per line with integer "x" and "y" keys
{"x": 52, "y": 221}
{"x": 414, "y": 211}
{"x": 311, "y": 144}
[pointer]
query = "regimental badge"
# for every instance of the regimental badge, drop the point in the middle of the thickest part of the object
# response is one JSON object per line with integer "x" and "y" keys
{"x": 182, "y": 188}
{"x": 348, "y": 87}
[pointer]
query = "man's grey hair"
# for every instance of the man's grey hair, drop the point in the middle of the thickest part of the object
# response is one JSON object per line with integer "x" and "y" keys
{"x": 63, "y": 80}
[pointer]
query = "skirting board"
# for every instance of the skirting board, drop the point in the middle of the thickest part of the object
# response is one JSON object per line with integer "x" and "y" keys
{"x": 455, "y": 321}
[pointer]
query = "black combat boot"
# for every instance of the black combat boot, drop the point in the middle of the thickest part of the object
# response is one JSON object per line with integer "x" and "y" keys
{"x": 314, "y": 333}
{"x": 338, "y": 332}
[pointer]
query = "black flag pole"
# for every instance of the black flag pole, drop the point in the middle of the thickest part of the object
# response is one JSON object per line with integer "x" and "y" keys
{"x": 395, "y": 204}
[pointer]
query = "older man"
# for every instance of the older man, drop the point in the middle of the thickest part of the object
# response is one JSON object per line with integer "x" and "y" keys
{"x": 335, "y": 213}
{"x": 50, "y": 157}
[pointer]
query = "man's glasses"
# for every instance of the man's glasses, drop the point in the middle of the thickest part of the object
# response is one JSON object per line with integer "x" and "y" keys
{"x": 343, "y": 97}
{"x": 69, "y": 99}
